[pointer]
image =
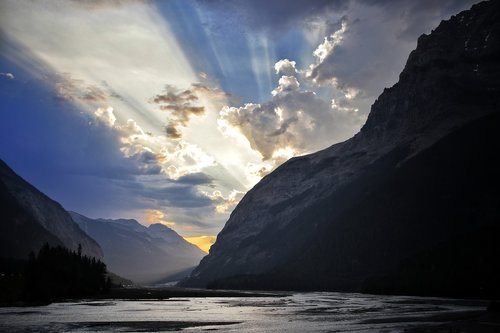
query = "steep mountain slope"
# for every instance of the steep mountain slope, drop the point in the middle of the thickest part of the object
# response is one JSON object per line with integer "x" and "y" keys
{"x": 427, "y": 226}
{"x": 29, "y": 219}
{"x": 142, "y": 254}
{"x": 353, "y": 215}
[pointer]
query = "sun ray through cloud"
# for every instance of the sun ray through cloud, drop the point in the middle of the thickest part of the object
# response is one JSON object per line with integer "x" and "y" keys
{"x": 156, "y": 92}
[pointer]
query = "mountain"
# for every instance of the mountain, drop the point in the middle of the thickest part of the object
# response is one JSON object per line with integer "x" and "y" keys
{"x": 29, "y": 219}
{"x": 142, "y": 254}
{"x": 408, "y": 205}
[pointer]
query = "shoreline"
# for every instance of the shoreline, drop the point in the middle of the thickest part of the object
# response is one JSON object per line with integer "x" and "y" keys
{"x": 137, "y": 293}
{"x": 149, "y": 293}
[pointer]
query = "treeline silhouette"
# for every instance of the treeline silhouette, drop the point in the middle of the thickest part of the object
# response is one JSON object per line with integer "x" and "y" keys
{"x": 55, "y": 273}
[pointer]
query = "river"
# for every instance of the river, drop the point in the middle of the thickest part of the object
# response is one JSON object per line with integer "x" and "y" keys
{"x": 298, "y": 312}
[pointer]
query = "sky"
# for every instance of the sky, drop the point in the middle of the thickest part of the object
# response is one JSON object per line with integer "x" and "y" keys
{"x": 170, "y": 111}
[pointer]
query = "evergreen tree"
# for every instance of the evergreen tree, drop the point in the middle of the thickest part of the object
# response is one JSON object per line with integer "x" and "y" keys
{"x": 57, "y": 272}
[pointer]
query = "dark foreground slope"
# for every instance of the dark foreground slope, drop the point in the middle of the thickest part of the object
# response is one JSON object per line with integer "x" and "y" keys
{"x": 408, "y": 205}
{"x": 29, "y": 219}
{"x": 427, "y": 226}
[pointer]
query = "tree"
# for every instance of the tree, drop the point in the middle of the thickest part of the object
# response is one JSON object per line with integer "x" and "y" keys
{"x": 57, "y": 272}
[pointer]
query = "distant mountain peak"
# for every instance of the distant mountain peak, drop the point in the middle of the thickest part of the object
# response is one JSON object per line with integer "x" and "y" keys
{"x": 142, "y": 254}
{"x": 159, "y": 226}
{"x": 127, "y": 222}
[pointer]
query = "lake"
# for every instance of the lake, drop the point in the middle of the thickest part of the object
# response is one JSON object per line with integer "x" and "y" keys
{"x": 298, "y": 312}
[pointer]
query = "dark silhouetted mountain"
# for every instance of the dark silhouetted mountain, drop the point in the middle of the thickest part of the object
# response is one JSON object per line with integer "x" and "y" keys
{"x": 142, "y": 254}
{"x": 29, "y": 219}
{"x": 408, "y": 205}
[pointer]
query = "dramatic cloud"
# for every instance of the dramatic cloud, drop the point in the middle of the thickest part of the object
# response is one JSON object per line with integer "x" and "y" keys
{"x": 285, "y": 67}
{"x": 225, "y": 204}
{"x": 198, "y": 178}
{"x": 106, "y": 115}
{"x": 360, "y": 46}
{"x": 326, "y": 51}
{"x": 71, "y": 89}
{"x": 102, "y": 61}
{"x": 292, "y": 122}
{"x": 277, "y": 15}
{"x": 8, "y": 75}
{"x": 181, "y": 106}
{"x": 214, "y": 94}
{"x": 286, "y": 84}
{"x": 106, "y": 139}
{"x": 367, "y": 51}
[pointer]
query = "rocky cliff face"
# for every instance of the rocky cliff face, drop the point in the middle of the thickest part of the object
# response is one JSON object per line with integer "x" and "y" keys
{"x": 291, "y": 218}
{"x": 30, "y": 218}
{"x": 142, "y": 254}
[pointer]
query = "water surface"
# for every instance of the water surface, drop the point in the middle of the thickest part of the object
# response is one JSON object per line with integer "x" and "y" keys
{"x": 300, "y": 312}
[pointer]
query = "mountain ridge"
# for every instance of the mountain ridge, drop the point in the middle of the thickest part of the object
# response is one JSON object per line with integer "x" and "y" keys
{"x": 30, "y": 219}
{"x": 144, "y": 254}
{"x": 449, "y": 80}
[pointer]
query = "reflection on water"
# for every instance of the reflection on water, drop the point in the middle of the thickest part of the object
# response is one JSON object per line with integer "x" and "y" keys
{"x": 301, "y": 312}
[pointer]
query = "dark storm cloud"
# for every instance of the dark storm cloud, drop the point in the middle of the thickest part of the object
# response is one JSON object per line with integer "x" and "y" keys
{"x": 147, "y": 163}
{"x": 180, "y": 196}
{"x": 198, "y": 178}
{"x": 173, "y": 97}
{"x": 419, "y": 16}
{"x": 377, "y": 38}
{"x": 276, "y": 14}
{"x": 187, "y": 197}
{"x": 172, "y": 132}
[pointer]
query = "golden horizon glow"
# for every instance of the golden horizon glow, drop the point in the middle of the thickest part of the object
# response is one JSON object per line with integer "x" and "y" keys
{"x": 157, "y": 216}
{"x": 203, "y": 242}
